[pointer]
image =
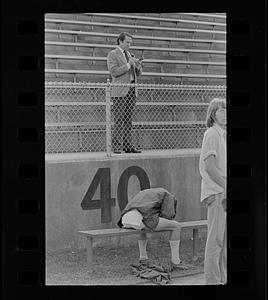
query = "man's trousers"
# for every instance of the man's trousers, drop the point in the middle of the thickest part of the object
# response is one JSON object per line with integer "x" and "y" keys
{"x": 123, "y": 108}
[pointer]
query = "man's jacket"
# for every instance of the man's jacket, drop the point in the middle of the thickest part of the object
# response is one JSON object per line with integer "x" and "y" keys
{"x": 117, "y": 66}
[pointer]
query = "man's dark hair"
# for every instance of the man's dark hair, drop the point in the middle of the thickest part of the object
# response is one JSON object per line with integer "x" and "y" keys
{"x": 122, "y": 37}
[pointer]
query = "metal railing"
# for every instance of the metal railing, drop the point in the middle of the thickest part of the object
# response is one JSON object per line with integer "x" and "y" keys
{"x": 85, "y": 117}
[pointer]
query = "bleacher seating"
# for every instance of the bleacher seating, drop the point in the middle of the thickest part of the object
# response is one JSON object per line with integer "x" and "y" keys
{"x": 184, "y": 48}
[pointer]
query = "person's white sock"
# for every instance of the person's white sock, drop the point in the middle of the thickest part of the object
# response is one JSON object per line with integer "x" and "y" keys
{"x": 142, "y": 247}
{"x": 175, "y": 255}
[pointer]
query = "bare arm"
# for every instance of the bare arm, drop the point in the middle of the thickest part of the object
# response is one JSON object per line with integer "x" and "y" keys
{"x": 210, "y": 167}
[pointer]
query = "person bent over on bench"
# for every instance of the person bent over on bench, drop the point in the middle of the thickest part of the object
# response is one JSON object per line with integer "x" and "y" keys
{"x": 152, "y": 210}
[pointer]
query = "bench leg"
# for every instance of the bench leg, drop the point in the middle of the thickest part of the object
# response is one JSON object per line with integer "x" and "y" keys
{"x": 89, "y": 245}
{"x": 195, "y": 243}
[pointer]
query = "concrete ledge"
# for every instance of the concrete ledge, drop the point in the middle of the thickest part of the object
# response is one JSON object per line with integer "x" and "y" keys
{"x": 102, "y": 156}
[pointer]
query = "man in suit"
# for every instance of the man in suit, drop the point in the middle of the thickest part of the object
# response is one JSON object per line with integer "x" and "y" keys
{"x": 124, "y": 69}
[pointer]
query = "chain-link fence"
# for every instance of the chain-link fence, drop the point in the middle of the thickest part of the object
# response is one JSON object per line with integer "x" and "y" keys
{"x": 105, "y": 117}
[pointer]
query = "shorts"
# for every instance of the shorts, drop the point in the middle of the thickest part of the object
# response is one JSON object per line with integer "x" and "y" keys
{"x": 133, "y": 219}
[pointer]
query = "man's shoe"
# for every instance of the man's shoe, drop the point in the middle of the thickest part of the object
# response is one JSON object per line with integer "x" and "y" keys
{"x": 117, "y": 151}
{"x": 132, "y": 150}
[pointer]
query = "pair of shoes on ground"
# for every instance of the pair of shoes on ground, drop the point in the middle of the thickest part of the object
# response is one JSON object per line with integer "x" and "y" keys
{"x": 130, "y": 150}
{"x": 180, "y": 266}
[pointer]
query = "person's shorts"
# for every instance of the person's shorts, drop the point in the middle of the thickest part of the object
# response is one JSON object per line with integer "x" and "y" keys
{"x": 133, "y": 219}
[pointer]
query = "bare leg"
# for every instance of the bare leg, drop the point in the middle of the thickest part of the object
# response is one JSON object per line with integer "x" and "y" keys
{"x": 142, "y": 242}
{"x": 174, "y": 237}
{"x": 173, "y": 225}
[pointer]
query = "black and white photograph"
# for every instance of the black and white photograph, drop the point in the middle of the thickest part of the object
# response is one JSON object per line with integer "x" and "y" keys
{"x": 135, "y": 148}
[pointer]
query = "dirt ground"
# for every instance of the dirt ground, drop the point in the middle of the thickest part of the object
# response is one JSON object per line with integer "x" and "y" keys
{"x": 111, "y": 265}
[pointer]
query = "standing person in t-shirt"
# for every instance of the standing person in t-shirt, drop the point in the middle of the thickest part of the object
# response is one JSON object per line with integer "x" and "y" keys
{"x": 212, "y": 168}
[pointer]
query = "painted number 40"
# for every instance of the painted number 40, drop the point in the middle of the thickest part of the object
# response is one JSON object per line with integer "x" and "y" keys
{"x": 103, "y": 179}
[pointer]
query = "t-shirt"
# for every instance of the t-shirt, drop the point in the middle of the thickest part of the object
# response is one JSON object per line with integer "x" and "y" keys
{"x": 214, "y": 143}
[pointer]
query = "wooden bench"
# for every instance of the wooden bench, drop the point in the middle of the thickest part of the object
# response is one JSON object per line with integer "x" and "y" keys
{"x": 161, "y": 74}
{"x": 130, "y": 26}
{"x": 139, "y": 48}
{"x": 112, "y": 232}
{"x": 136, "y": 37}
{"x": 161, "y": 19}
{"x": 165, "y": 61}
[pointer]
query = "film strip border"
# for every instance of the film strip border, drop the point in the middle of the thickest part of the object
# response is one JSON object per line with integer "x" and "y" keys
{"x": 24, "y": 167}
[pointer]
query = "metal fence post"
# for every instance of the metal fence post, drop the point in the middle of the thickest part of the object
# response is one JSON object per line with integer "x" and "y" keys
{"x": 108, "y": 118}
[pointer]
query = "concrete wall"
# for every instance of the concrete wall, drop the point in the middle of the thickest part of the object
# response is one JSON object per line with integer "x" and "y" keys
{"x": 68, "y": 179}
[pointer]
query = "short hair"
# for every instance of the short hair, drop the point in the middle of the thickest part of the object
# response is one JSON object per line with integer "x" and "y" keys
{"x": 214, "y": 105}
{"x": 122, "y": 36}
